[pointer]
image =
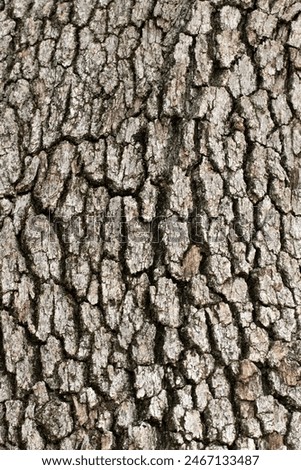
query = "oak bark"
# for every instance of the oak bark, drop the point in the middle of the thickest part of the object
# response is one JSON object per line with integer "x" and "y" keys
{"x": 150, "y": 236}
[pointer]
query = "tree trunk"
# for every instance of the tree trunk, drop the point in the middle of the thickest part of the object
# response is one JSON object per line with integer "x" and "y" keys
{"x": 150, "y": 224}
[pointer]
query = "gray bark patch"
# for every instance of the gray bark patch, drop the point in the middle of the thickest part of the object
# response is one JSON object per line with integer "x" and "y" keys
{"x": 150, "y": 224}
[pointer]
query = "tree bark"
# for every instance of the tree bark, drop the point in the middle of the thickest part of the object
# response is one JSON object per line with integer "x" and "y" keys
{"x": 150, "y": 224}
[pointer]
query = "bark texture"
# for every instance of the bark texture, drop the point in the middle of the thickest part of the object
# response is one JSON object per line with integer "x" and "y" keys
{"x": 150, "y": 236}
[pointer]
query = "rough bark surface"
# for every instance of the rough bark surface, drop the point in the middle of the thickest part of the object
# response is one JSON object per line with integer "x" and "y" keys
{"x": 150, "y": 236}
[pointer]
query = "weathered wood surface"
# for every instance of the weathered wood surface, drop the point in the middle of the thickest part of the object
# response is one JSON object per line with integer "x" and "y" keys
{"x": 150, "y": 238}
